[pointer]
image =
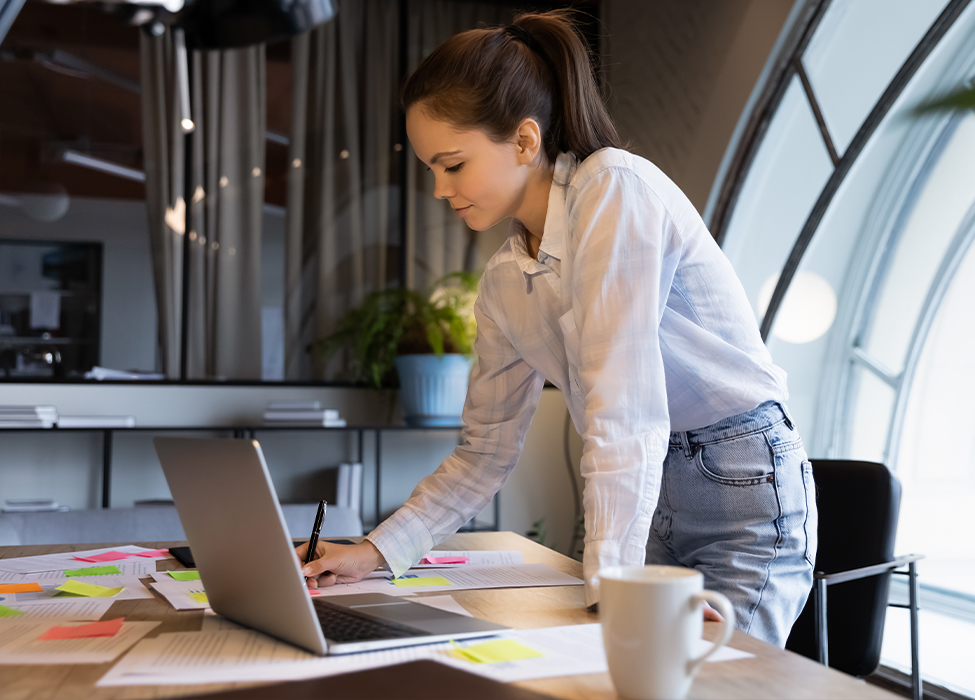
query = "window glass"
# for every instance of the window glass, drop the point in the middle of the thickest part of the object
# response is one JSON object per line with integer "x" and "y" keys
{"x": 782, "y": 185}
{"x": 872, "y": 36}
{"x": 870, "y": 420}
{"x": 940, "y": 209}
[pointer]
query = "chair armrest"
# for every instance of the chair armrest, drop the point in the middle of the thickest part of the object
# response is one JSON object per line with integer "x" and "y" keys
{"x": 864, "y": 572}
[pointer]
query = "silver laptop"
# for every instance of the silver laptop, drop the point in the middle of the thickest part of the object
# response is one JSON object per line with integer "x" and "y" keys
{"x": 247, "y": 563}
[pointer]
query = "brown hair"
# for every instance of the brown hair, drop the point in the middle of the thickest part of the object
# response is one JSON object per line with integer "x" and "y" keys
{"x": 492, "y": 79}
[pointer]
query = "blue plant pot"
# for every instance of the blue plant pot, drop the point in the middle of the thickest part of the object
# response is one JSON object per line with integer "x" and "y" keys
{"x": 433, "y": 388}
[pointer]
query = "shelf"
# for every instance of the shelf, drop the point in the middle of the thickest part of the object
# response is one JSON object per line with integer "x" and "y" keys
{"x": 31, "y": 340}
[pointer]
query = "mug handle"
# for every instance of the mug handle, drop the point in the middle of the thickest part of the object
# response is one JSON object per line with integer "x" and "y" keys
{"x": 727, "y": 625}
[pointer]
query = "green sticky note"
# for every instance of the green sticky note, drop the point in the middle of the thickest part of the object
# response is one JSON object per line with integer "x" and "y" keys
{"x": 89, "y": 590}
{"x": 185, "y": 575}
{"x": 495, "y": 652}
{"x": 10, "y": 612}
{"x": 93, "y": 571}
{"x": 422, "y": 581}
{"x": 199, "y": 596}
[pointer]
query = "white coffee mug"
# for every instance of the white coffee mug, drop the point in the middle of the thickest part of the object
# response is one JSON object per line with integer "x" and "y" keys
{"x": 652, "y": 620}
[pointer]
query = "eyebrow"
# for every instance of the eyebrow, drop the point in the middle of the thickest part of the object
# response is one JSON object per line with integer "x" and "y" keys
{"x": 444, "y": 153}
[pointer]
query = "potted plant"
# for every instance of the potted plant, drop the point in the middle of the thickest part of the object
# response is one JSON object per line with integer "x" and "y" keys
{"x": 419, "y": 341}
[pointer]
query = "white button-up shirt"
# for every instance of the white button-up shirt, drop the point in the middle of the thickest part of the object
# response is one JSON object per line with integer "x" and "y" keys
{"x": 632, "y": 310}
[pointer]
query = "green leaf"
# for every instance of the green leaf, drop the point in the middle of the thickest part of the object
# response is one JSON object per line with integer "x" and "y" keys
{"x": 963, "y": 98}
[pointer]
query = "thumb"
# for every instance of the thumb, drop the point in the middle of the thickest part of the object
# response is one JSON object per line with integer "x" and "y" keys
{"x": 316, "y": 567}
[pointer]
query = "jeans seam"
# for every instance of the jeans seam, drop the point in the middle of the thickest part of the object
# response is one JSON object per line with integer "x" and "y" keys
{"x": 760, "y": 429}
{"x": 775, "y": 554}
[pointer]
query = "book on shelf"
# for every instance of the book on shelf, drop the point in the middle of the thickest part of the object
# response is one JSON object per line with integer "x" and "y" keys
{"x": 28, "y": 416}
{"x": 317, "y": 415}
{"x": 293, "y": 405}
{"x": 32, "y": 505}
{"x": 96, "y": 422}
{"x": 348, "y": 488}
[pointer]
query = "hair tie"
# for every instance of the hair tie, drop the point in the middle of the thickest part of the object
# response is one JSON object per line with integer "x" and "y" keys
{"x": 525, "y": 38}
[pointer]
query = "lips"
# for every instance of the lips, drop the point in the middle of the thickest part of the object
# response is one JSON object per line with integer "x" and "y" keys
{"x": 462, "y": 210}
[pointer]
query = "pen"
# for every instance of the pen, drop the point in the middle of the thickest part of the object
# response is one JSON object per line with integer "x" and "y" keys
{"x": 313, "y": 540}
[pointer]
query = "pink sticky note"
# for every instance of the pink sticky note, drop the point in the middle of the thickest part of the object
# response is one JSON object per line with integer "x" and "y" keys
{"x": 152, "y": 553}
{"x": 108, "y": 628}
{"x": 107, "y": 556}
{"x": 314, "y": 591}
{"x": 445, "y": 560}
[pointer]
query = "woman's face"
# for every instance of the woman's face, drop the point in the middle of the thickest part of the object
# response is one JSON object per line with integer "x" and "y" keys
{"x": 482, "y": 180}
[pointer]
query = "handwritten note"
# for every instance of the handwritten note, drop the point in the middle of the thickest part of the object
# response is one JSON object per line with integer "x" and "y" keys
{"x": 109, "y": 628}
{"x": 93, "y": 571}
{"x": 20, "y": 588}
{"x": 89, "y": 590}
{"x": 495, "y": 652}
{"x": 421, "y": 581}
{"x": 185, "y": 575}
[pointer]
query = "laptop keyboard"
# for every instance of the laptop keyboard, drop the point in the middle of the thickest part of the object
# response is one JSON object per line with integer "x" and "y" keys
{"x": 341, "y": 625}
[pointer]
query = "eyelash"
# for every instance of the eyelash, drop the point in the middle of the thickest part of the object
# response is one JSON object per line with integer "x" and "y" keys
{"x": 451, "y": 169}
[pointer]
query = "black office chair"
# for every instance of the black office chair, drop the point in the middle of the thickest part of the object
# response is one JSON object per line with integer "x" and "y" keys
{"x": 858, "y": 507}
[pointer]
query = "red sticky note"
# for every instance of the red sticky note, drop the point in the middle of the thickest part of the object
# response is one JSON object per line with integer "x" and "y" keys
{"x": 107, "y": 556}
{"x": 152, "y": 553}
{"x": 20, "y": 588}
{"x": 108, "y": 628}
{"x": 445, "y": 560}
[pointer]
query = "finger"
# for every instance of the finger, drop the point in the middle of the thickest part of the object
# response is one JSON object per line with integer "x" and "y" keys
{"x": 318, "y": 567}
{"x": 326, "y": 580}
{"x": 300, "y": 551}
{"x": 712, "y": 615}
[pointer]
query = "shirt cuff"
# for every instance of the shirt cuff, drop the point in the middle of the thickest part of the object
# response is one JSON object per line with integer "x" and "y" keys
{"x": 402, "y": 539}
{"x": 599, "y": 554}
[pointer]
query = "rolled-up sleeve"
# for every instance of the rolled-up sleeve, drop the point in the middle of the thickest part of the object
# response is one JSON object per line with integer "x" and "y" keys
{"x": 625, "y": 252}
{"x": 501, "y": 399}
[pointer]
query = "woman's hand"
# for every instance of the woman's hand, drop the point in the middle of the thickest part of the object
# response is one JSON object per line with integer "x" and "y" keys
{"x": 710, "y": 614}
{"x": 339, "y": 563}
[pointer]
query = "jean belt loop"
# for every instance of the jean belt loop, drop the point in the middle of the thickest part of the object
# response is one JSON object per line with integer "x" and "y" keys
{"x": 685, "y": 443}
{"x": 788, "y": 417}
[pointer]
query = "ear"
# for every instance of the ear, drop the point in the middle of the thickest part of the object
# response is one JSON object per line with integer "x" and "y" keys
{"x": 528, "y": 140}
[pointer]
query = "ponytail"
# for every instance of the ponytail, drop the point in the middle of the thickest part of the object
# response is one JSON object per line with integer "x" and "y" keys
{"x": 492, "y": 79}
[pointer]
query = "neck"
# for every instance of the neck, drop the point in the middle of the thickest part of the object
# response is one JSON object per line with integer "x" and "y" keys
{"x": 535, "y": 205}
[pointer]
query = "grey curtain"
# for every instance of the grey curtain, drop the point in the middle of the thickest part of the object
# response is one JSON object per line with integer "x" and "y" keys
{"x": 228, "y": 109}
{"x": 344, "y": 194}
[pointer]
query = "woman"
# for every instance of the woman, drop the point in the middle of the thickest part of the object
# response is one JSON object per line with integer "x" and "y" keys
{"x": 610, "y": 287}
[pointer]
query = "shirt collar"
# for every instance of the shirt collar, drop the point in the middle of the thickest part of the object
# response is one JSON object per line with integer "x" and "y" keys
{"x": 553, "y": 237}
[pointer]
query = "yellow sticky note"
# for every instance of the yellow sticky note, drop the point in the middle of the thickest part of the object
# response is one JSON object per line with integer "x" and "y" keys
{"x": 422, "y": 581}
{"x": 89, "y": 590}
{"x": 199, "y": 596}
{"x": 495, "y": 652}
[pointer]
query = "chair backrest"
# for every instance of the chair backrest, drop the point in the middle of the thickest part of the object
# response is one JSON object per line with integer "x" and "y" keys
{"x": 858, "y": 506}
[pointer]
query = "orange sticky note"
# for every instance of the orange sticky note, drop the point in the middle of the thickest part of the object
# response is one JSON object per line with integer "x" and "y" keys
{"x": 20, "y": 588}
{"x": 109, "y": 628}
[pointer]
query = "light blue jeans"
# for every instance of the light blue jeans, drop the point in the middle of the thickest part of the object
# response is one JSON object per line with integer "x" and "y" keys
{"x": 737, "y": 503}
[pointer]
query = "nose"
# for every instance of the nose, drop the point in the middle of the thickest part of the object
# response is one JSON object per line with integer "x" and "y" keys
{"x": 441, "y": 189}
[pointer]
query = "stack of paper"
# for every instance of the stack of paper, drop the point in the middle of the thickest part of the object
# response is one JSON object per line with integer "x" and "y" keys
{"x": 28, "y": 416}
{"x": 301, "y": 413}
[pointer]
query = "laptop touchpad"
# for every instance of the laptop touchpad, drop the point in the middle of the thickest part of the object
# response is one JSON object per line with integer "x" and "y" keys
{"x": 419, "y": 616}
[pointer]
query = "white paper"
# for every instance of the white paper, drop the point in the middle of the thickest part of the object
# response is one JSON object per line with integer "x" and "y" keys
{"x": 132, "y": 589}
{"x": 19, "y": 644}
{"x": 477, "y": 558}
{"x": 213, "y": 622}
{"x": 45, "y": 309}
{"x": 177, "y": 593}
{"x": 232, "y": 655}
{"x": 461, "y": 578}
{"x": 442, "y": 602}
{"x": 66, "y": 609}
{"x": 65, "y": 560}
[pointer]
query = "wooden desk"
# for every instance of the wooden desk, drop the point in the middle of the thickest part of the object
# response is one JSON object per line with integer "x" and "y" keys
{"x": 773, "y": 673}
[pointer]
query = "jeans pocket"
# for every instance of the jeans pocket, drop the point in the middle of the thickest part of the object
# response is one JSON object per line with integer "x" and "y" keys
{"x": 812, "y": 513}
{"x": 740, "y": 461}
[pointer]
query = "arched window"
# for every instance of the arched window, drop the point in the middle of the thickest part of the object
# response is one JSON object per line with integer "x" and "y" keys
{"x": 849, "y": 217}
